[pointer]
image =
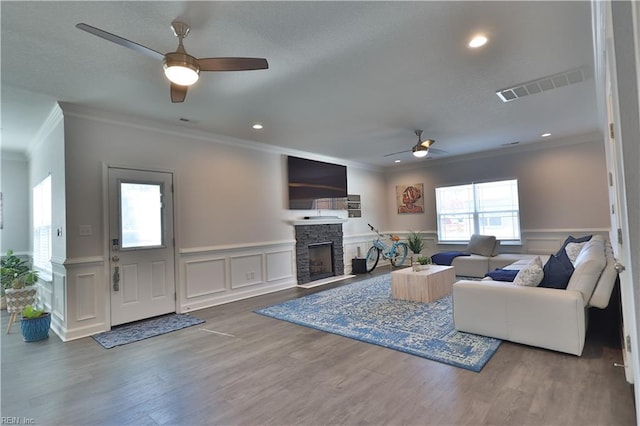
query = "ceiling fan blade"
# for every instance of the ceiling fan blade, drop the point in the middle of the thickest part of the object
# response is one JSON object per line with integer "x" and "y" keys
{"x": 121, "y": 41}
{"x": 437, "y": 151}
{"x": 178, "y": 93}
{"x": 396, "y": 153}
{"x": 232, "y": 64}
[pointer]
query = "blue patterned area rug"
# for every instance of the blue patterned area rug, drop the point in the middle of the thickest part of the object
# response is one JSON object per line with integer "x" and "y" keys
{"x": 365, "y": 311}
{"x": 140, "y": 330}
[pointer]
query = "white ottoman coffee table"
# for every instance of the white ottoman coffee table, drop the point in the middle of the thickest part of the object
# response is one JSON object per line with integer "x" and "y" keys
{"x": 426, "y": 285}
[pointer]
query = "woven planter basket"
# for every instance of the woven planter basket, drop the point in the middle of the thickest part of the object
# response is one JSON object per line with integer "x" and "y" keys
{"x": 18, "y": 299}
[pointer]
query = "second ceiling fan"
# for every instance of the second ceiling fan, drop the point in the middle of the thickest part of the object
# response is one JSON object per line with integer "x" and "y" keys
{"x": 181, "y": 68}
{"x": 421, "y": 149}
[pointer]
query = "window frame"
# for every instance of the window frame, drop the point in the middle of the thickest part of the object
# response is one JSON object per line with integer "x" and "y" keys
{"x": 42, "y": 225}
{"x": 475, "y": 216}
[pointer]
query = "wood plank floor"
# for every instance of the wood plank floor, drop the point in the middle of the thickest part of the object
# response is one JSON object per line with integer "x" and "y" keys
{"x": 270, "y": 372}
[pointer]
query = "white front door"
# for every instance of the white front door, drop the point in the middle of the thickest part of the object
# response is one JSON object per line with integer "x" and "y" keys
{"x": 141, "y": 244}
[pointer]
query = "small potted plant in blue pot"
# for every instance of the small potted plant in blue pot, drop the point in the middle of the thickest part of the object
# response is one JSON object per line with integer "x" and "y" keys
{"x": 35, "y": 324}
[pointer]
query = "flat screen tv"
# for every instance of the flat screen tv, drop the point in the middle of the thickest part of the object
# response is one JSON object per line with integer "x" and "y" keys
{"x": 311, "y": 180}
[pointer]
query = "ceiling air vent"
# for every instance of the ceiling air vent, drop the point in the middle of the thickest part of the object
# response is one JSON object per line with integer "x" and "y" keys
{"x": 543, "y": 84}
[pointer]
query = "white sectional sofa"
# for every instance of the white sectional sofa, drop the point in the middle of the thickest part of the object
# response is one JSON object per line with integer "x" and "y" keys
{"x": 477, "y": 266}
{"x": 545, "y": 317}
{"x": 482, "y": 256}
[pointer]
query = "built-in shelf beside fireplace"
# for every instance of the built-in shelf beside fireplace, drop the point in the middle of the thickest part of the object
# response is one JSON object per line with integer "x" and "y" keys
{"x": 319, "y": 249}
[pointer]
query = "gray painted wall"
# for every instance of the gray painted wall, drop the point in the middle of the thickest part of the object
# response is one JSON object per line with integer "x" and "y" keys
{"x": 47, "y": 157}
{"x": 560, "y": 188}
{"x": 227, "y": 193}
{"x": 15, "y": 204}
{"x": 230, "y": 194}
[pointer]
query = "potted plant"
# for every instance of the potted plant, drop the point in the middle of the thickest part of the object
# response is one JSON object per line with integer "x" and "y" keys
{"x": 415, "y": 243}
{"x": 11, "y": 266}
{"x": 422, "y": 263}
{"x": 17, "y": 285}
{"x": 35, "y": 324}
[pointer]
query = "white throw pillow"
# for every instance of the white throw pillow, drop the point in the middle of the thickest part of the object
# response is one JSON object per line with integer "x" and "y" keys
{"x": 573, "y": 250}
{"x": 531, "y": 275}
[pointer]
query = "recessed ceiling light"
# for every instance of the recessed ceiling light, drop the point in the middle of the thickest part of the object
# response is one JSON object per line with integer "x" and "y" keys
{"x": 257, "y": 126}
{"x": 397, "y": 161}
{"x": 545, "y": 135}
{"x": 478, "y": 41}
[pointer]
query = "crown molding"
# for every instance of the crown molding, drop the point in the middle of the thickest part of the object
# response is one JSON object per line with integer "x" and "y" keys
{"x": 175, "y": 129}
{"x": 54, "y": 118}
{"x": 595, "y": 136}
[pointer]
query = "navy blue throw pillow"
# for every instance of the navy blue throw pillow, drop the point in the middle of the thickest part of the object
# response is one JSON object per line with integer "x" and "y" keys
{"x": 502, "y": 274}
{"x": 557, "y": 273}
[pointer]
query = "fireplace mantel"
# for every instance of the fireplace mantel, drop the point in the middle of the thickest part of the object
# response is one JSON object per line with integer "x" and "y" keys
{"x": 318, "y": 220}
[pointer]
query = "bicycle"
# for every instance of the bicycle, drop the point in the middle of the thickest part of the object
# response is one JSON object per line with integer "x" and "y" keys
{"x": 396, "y": 253}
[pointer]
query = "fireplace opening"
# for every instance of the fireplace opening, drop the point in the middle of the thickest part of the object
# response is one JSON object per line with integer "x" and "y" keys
{"x": 321, "y": 261}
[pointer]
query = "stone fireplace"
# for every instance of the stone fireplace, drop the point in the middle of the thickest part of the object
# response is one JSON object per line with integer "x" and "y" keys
{"x": 319, "y": 251}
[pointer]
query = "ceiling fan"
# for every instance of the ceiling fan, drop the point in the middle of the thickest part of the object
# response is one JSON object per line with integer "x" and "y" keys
{"x": 181, "y": 68}
{"x": 421, "y": 149}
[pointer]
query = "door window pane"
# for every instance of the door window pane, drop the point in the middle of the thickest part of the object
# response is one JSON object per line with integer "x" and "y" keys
{"x": 141, "y": 215}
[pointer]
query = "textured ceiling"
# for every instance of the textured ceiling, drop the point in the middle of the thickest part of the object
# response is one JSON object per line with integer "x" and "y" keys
{"x": 350, "y": 80}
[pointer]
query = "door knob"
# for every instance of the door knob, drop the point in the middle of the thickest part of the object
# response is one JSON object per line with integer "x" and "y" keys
{"x": 619, "y": 267}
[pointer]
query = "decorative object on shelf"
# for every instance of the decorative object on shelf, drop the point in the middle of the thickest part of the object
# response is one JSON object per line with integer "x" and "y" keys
{"x": 424, "y": 260}
{"x": 354, "y": 206}
{"x": 414, "y": 241}
{"x": 409, "y": 198}
{"x": 35, "y": 324}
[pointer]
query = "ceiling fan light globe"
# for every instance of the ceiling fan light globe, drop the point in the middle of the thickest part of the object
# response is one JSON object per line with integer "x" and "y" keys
{"x": 420, "y": 151}
{"x": 181, "y": 69}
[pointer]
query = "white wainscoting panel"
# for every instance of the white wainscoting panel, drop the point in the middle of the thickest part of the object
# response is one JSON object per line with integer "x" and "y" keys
{"x": 246, "y": 270}
{"x": 204, "y": 276}
{"x": 86, "y": 291}
{"x": 216, "y": 275}
{"x": 45, "y": 293}
{"x": 59, "y": 296}
{"x": 280, "y": 265}
{"x": 86, "y": 296}
{"x": 356, "y": 246}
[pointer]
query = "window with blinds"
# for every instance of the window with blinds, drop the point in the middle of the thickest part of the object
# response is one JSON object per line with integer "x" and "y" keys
{"x": 488, "y": 208}
{"x": 42, "y": 225}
